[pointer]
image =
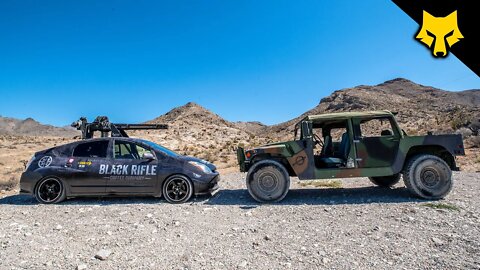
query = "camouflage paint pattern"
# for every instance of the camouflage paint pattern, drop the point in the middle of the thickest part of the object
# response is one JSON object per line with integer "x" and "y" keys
{"x": 372, "y": 156}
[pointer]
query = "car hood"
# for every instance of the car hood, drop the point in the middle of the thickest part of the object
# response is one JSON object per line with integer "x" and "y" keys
{"x": 208, "y": 164}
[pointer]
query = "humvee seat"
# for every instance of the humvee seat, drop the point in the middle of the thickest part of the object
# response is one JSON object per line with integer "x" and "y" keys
{"x": 340, "y": 159}
{"x": 327, "y": 149}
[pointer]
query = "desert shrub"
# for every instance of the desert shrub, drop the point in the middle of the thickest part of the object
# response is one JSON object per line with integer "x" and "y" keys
{"x": 475, "y": 141}
{"x": 465, "y": 132}
{"x": 210, "y": 157}
{"x": 9, "y": 184}
{"x": 475, "y": 127}
{"x": 444, "y": 206}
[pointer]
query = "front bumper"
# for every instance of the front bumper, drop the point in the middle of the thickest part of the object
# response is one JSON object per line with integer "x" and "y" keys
{"x": 241, "y": 159}
{"x": 206, "y": 188}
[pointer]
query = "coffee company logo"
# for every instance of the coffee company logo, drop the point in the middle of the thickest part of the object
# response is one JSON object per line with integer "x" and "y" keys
{"x": 135, "y": 170}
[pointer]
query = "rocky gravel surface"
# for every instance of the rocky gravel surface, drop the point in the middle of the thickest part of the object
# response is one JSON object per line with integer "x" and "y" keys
{"x": 358, "y": 226}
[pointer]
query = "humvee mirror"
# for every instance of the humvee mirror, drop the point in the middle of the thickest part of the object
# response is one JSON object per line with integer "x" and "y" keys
{"x": 306, "y": 129}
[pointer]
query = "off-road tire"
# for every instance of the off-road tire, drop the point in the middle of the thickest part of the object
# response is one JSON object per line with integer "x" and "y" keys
{"x": 385, "y": 181}
{"x": 50, "y": 190}
{"x": 428, "y": 177}
{"x": 268, "y": 181}
{"x": 177, "y": 189}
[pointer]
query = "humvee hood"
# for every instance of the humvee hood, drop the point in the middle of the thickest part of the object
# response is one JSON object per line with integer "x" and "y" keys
{"x": 281, "y": 148}
{"x": 271, "y": 146}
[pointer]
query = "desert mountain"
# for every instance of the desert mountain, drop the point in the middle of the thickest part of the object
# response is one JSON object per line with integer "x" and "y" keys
{"x": 197, "y": 131}
{"x": 420, "y": 108}
{"x": 30, "y": 127}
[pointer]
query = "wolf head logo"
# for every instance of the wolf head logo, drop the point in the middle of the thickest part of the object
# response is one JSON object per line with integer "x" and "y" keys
{"x": 439, "y": 33}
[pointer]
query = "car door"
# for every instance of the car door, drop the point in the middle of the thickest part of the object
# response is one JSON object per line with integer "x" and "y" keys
{"x": 130, "y": 172}
{"x": 376, "y": 141}
{"x": 87, "y": 158}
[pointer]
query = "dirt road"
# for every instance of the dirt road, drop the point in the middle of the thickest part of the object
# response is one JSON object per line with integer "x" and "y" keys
{"x": 355, "y": 227}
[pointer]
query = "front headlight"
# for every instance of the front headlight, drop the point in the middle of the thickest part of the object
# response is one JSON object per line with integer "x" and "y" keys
{"x": 202, "y": 167}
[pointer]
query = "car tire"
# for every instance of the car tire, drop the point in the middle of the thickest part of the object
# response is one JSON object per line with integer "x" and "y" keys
{"x": 177, "y": 189}
{"x": 50, "y": 190}
{"x": 268, "y": 181}
{"x": 428, "y": 177}
{"x": 385, "y": 181}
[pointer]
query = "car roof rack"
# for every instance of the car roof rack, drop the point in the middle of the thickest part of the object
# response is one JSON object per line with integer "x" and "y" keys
{"x": 108, "y": 129}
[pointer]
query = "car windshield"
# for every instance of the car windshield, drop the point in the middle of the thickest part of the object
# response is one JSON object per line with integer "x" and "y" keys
{"x": 161, "y": 148}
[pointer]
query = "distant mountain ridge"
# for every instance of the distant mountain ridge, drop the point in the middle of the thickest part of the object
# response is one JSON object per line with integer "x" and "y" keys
{"x": 30, "y": 127}
{"x": 420, "y": 108}
{"x": 197, "y": 131}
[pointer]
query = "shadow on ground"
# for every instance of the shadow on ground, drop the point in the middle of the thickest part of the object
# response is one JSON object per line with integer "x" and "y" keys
{"x": 20, "y": 199}
{"x": 328, "y": 196}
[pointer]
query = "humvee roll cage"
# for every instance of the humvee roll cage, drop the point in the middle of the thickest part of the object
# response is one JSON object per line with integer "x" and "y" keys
{"x": 106, "y": 128}
{"x": 307, "y": 124}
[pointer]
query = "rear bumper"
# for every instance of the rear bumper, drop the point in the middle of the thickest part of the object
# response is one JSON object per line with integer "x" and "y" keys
{"x": 28, "y": 181}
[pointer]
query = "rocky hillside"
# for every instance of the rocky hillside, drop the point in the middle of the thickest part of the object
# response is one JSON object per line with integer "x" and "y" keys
{"x": 420, "y": 108}
{"x": 30, "y": 127}
{"x": 195, "y": 130}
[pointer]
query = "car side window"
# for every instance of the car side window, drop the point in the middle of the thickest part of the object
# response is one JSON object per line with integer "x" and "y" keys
{"x": 376, "y": 127}
{"x": 91, "y": 149}
{"x": 128, "y": 150}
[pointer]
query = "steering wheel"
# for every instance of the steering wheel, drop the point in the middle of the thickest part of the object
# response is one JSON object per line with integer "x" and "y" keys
{"x": 318, "y": 140}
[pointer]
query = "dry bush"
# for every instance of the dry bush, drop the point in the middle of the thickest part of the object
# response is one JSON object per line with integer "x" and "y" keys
{"x": 9, "y": 184}
{"x": 475, "y": 141}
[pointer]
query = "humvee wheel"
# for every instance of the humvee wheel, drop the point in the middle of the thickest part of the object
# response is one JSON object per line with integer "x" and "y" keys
{"x": 268, "y": 181}
{"x": 428, "y": 177}
{"x": 385, "y": 181}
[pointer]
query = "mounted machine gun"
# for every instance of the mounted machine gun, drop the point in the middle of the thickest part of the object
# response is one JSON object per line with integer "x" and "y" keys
{"x": 102, "y": 124}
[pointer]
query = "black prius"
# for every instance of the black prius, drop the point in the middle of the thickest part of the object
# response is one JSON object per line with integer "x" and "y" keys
{"x": 116, "y": 166}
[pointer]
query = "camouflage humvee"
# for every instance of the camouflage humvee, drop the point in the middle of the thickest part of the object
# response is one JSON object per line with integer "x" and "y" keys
{"x": 353, "y": 144}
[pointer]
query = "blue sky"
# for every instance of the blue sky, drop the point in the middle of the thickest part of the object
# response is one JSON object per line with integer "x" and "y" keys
{"x": 245, "y": 60}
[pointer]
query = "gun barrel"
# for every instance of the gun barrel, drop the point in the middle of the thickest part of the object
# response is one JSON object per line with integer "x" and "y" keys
{"x": 140, "y": 126}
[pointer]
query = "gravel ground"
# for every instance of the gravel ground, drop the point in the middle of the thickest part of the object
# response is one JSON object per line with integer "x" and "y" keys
{"x": 355, "y": 227}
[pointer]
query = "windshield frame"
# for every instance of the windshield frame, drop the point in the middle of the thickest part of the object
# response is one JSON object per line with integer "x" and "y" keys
{"x": 295, "y": 133}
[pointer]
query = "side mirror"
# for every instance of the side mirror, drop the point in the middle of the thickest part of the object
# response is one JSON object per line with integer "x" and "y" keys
{"x": 148, "y": 155}
{"x": 306, "y": 129}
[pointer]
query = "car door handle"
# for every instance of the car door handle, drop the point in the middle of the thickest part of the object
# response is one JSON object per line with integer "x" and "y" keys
{"x": 393, "y": 139}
